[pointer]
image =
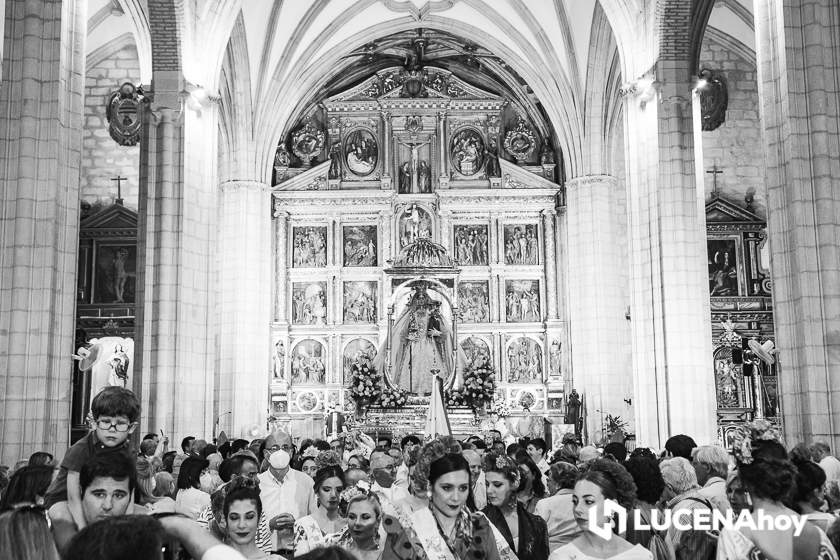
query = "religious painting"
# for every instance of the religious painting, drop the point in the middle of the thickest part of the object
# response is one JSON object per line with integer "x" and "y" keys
{"x": 467, "y": 151}
{"x": 522, "y": 244}
{"x": 360, "y": 246}
{"x": 475, "y": 349}
{"x": 414, "y": 223}
{"x": 309, "y": 247}
{"x": 309, "y": 303}
{"x": 361, "y": 152}
{"x": 116, "y": 272}
{"x": 474, "y": 301}
{"x": 524, "y": 361}
{"x": 723, "y": 267}
{"x": 470, "y": 245}
{"x": 360, "y": 302}
{"x": 309, "y": 360}
{"x": 728, "y": 379}
{"x": 522, "y": 301}
{"x": 414, "y": 174}
{"x": 357, "y": 351}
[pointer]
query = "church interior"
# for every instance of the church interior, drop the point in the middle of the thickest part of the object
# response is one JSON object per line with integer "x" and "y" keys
{"x": 592, "y": 216}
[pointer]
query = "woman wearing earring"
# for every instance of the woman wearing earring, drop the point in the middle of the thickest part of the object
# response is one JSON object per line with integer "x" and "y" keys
{"x": 312, "y": 531}
{"x": 524, "y": 532}
{"x": 363, "y": 536}
{"x": 601, "y": 480}
{"x": 767, "y": 476}
{"x": 446, "y": 529}
{"x": 242, "y": 510}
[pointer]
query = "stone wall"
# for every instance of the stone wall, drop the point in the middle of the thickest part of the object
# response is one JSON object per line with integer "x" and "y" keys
{"x": 736, "y": 146}
{"x": 102, "y": 158}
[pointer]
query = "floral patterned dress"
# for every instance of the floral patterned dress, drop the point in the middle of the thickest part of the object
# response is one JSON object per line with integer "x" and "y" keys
{"x": 309, "y": 536}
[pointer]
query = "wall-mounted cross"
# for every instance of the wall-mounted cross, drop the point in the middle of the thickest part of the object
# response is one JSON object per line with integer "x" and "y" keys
{"x": 119, "y": 181}
{"x": 715, "y": 171}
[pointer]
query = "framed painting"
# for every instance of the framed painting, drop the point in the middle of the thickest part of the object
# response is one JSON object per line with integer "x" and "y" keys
{"x": 470, "y": 245}
{"x": 360, "y": 302}
{"x": 309, "y": 247}
{"x": 724, "y": 266}
{"x": 522, "y": 301}
{"x": 474, "y": 302}
{"x": 115, "y": 273}
{"x": 309, "y": 303}
{"x": 359, "y": 245}
{"x": 522, "y": 244}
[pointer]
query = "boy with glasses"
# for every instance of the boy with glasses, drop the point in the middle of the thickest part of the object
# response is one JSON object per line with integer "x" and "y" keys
{"x": 115, "y": 412}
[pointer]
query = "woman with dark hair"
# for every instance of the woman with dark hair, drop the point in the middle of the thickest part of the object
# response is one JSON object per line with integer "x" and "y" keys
{"x": 190, "y": 500}
{"x": 524, "y": 532}
{"x": 27, "y": 486}
{"x": 809, "y": 494}
{"x": 599, "y": 481}
{"x": 308, "y": 464}
{"x": 531, "y": 488}
{"x": 242, "y": 511}
{"x": 644, "y": 469}
{"x": 446, "y": 529}
{"x": 558, "y": 509}
{"x": 312, "y": 531}
{"x": 768, "y": 476}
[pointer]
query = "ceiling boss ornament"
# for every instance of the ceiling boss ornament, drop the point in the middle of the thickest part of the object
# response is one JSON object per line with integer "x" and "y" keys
{"x": 123, "y": 114}
{"x": 520, "y": 142}
{"x": 307, "y": 143}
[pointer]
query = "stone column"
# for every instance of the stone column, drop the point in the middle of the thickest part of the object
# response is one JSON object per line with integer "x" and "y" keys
{"x": 41, "y": 96}
{"x": 177, "y": 234}
{"x": 550, "y": 259}
{"x": 798, "y": 75}
{"x": 441, "y": 126}
{"x": 281, "y": 232}
{"x": 599, "y": 331}
{"x": 387, "y": 164}
{"x": 244, "y": 311}
{"x": 669, "y": 293}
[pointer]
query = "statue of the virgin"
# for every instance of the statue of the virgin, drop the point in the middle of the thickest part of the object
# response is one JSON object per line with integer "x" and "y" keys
{"x": 421, "y": 341}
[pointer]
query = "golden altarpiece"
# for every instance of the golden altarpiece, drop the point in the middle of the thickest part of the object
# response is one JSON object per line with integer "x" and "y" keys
{"x": 415, "y": 205}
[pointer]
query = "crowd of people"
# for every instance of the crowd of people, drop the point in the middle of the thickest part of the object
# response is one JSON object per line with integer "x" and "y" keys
{"x": 482, "y": 498}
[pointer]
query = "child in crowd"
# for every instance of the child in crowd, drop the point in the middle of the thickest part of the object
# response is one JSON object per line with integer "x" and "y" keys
{"x": 115, "y": 412}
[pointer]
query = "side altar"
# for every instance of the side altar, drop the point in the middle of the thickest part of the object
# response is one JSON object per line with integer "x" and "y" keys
{"x": 417, "y": 226}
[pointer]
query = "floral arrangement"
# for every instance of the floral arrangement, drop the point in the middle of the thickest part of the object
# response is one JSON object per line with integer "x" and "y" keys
{"x": 393, "y": 397}
{"x": 500, "y": 407}
{"x": 365, "y": 384}
{"x": 613, "y": 424}
{"x": 479, "y": 384}
{"x": 453, "y": 398}
{"x": 743, "y": 437}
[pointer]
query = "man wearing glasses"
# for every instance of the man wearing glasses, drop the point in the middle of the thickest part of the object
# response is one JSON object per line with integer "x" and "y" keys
{"x": 115, "y": 412}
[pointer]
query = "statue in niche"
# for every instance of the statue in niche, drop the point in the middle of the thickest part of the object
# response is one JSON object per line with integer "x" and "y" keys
{"x": 424, "y": 179}
{"x": 573, "y": 406}
{"x": 405, "y": 178}
{"x": 414, "y": 162}
{"x": 421, "y": 343}
{"x": 335, "y": 161}
{"x": 555, "y": 355}
{"x": 279, "y": 361}
{"x": 491, "y": 154}
{"x": 414, "y": 224}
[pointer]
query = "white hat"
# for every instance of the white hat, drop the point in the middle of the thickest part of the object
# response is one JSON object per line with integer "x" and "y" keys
{"x": 279, "y": 459}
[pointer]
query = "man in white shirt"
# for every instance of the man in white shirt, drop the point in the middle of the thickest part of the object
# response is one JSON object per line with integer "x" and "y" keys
{"x": 821, "y": 453}
{"x": 287, "y": 495}
{"x": 383, "y": 470}
{"x": 479, "y": 486}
